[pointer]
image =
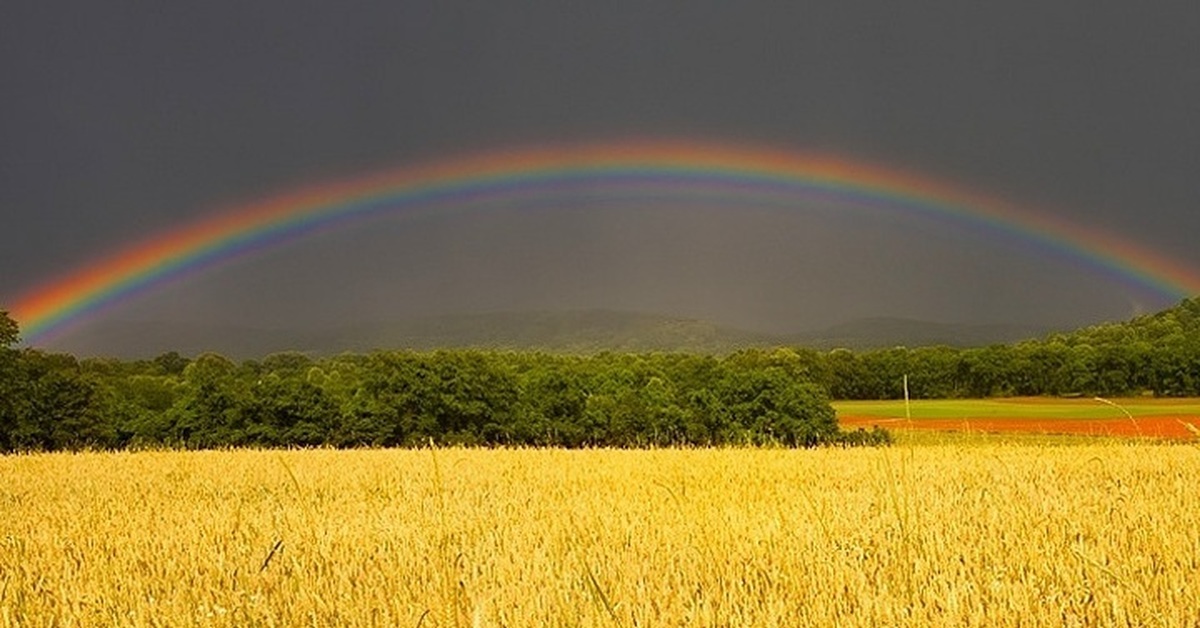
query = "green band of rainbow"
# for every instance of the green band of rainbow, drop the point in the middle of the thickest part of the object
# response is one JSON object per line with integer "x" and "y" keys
{"x": 680, "y": 171}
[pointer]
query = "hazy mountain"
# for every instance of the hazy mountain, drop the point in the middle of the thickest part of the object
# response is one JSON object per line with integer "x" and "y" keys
{"x": 883, "y": 332}
{"x": 585, "y": 331}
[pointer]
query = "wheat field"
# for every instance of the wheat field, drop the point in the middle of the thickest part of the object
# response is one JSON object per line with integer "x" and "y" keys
{"x": 932, "y": 535}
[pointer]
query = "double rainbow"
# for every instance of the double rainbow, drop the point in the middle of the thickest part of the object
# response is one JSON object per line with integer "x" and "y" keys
{"x": 647, "y": 171}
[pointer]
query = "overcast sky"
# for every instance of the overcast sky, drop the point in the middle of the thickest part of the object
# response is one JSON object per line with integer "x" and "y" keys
{"x": 119, "y": 120}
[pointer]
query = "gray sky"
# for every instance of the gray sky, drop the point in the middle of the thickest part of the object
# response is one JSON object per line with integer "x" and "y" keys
{"x": 119, "y": 120}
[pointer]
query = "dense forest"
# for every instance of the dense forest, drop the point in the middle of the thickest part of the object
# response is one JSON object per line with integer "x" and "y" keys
{"x": 1157, "y": 354}
{"x": 397, "y": 398}
{"x": 52, "y": 401}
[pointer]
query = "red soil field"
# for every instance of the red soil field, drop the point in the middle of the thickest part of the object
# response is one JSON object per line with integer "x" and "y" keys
{"x": 1167, "y": 426}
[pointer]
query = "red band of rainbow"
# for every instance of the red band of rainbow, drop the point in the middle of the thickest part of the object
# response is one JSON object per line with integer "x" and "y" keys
{"x": 650, "y": 169}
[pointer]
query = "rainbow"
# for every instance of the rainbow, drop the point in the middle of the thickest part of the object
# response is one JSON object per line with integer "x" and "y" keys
{"x": 636, "y": 170}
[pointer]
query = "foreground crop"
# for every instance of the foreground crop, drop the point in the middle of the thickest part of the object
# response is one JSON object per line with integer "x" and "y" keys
{"x": 971, "y": 535}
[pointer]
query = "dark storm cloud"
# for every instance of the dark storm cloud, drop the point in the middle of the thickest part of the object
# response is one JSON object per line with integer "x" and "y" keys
{"x": 122, "y": 119}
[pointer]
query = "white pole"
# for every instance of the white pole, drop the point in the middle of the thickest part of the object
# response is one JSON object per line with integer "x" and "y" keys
{"x": 907, "y": 410}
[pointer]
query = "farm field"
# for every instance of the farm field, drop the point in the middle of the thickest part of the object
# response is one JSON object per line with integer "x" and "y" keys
{"x": 1147, "y": 417}
{"x": 1099, "y": 533}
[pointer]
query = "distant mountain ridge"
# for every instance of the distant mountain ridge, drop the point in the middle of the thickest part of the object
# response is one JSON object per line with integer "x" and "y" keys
{"x": 882, "y": 332}
{"x": 581, "y": 331}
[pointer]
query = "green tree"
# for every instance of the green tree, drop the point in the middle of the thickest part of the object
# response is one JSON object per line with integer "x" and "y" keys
{"x": 171, "y": 363}
{"x": 773, "y": 407}
{"x": 209, "y": 411}
{"x": 11, "y": 384}
{"x": 57, "y": 406}
{"x": 10, "y": 333}
{"x": 288, "y": 411}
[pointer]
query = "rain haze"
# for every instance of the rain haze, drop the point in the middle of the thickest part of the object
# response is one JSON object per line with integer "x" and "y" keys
{"x": 121, "y": 121}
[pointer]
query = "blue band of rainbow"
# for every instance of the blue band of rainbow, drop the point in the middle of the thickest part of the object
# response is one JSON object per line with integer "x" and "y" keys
{"x": 676, "y": 172}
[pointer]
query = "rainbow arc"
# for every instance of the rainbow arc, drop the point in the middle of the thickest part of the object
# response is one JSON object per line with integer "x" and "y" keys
{"x": 666, "y": 171}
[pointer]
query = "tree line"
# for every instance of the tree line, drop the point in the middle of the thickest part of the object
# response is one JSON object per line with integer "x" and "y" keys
{"x": 1157, "y": 354}
{"x": 401, "y": 398}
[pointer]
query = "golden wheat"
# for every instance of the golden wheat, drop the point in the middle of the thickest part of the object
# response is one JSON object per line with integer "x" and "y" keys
{"x": 953, "y": 535}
